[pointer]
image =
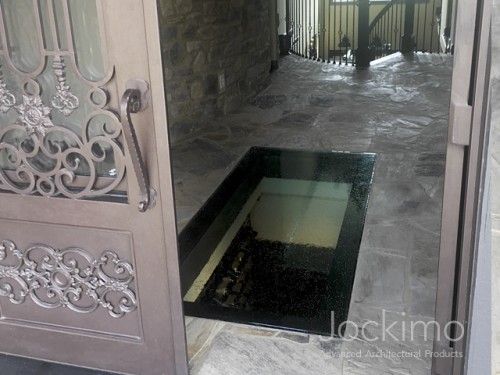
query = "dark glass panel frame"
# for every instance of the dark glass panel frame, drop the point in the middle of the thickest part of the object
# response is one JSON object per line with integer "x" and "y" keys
{"x": 200, "y": 237}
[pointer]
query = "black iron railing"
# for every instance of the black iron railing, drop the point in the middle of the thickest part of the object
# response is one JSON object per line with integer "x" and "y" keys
{"x": 350, "y": 32}
{"x": 323, "y": 30}
{"x": 305, "y": 27}
{"x": 406, "y": 25}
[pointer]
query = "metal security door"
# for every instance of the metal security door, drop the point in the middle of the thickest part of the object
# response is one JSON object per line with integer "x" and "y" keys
{"x": 88, "y": 256}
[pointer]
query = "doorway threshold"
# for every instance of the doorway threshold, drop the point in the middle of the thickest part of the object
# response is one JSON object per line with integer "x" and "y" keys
{"x": 277, "y": 243}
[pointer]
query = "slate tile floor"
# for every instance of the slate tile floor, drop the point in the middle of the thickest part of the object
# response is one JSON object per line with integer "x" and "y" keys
{"x": 399, "y": 109}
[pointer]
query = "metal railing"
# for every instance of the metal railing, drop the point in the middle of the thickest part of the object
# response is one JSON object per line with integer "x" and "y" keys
{"x": 406, "y": 26}
{"x": 324, "y": 30}
{"x": 342, "y": 34}
{"x": 336, "y": 31}
{"x": 304, "y": 26}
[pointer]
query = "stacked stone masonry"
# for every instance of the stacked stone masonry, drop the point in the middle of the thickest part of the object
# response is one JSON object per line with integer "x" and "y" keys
{"x": 205, "y": 42}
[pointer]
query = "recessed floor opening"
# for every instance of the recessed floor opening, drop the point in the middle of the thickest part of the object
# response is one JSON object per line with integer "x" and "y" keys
{"x": 277, "y": 243}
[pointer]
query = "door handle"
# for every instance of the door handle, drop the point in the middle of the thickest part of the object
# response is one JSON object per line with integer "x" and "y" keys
{"x": 133, "y": 102}
{"x": 461, "y": 122}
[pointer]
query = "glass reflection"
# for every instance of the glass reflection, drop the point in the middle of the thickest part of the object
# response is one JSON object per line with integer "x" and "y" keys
{"x": 22, "y": 34}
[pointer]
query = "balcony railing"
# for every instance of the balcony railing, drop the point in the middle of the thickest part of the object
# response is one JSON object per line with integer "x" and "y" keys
{"x": 389, "y": 27}
{"x": 340, "y": 31}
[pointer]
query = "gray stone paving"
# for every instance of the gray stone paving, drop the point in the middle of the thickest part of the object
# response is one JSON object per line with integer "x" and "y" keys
{"x": 397, "y": 109}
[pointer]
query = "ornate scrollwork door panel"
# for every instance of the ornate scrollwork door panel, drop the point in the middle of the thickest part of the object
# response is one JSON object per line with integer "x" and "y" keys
{"x": 88, "y": 268}
{"x": 90, "y": 288}
{"x": 56, "y": 119}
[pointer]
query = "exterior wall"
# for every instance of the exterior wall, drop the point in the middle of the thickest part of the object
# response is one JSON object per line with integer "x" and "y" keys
{"x": 479, "y": 356}
{"x": 216, "y": 56}
{"x": 495, "y": 184}
{"x": 486, "y": 308}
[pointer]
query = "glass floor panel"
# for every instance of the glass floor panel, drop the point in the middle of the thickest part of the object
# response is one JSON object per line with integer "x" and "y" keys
{"x": 277, "y": 243}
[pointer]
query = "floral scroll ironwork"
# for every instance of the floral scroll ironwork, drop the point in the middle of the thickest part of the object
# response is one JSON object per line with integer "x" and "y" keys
{"x": 77, "y": 155}
{"x": 70, "y": 278}
{"x": 64, "y": 152}
{"x": 34, "y": 115}
{"x": 7, "y": 99}
{"x": 64, "y": 100}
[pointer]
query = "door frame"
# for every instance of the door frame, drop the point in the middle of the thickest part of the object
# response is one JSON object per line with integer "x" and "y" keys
{"x": 464, "y": 185}
{"x": 165, "y": 179}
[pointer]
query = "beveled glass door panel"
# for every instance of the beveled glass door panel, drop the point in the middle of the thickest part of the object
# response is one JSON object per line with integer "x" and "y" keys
{"x": 59, "y": 134}
{"x": 89, "y": 272}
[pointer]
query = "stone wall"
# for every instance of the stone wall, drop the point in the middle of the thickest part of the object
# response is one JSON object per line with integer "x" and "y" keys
{"x": 216, "y": 55}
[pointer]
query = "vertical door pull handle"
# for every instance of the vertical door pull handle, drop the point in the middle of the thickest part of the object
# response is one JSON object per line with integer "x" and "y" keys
{"x": 461, "y": 123}
{"x": 132, "y": 103}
